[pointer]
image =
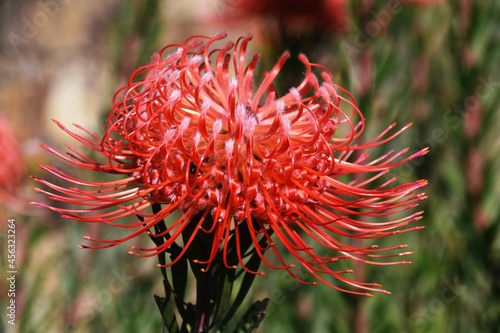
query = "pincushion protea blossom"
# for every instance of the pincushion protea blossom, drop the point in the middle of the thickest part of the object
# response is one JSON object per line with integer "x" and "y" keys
{"x": 190, "y": 133}
{"x": 12, "y": 167}
{"x": 292, "y": 15}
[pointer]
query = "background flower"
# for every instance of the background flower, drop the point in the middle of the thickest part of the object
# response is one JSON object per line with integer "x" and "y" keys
{"x": 294, "y": 16}
{"x": 12, "y": 168}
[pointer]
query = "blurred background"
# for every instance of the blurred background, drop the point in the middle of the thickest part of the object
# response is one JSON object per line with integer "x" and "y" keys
{"x": 433, "y": 63}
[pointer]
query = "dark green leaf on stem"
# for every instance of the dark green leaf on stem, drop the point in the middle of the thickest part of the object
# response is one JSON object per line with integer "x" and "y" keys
{"x": 253, "y": 317}
{"x": 167, "y": 313}
{"x": 248, "y": 278}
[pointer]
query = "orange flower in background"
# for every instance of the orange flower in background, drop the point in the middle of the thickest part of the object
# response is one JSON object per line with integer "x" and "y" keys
{"x": 192, "y": 132}
{"x": 12, "y": 168}
{"x": 293, "y": 15}
{"x": 424, "y": 2}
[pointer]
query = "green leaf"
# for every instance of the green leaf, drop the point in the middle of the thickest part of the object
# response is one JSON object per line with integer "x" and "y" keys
{"x": 179, "y": 281}
{"x": 253, "y": 317}
{"x": 167, "y": 313}
{"x": 222, "y": 297}
{"x": 248, "y": 278}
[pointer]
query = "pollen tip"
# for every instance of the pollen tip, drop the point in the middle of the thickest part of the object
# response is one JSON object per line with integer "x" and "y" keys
{"x": 206, "y": 77}
{"x": 233, "y": 84}
{"x": 217, "y": 126}
{"x": 280, "y": 105}
{"x": 295, "y": 94}
{"x": 302, "y": 57}
{"x": 205, "y": 105}
{"x": 229, "y": 146}
{"x": 221, "y": 34}
{"x": 286, "y": 54}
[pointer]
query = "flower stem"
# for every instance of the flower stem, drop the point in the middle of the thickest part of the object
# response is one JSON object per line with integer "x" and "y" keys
{"x": 203, "y": 310}
{"x": 198, "y": 253}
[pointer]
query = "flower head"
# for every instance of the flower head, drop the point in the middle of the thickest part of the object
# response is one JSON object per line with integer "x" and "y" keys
{"x": 192, "y": 132}
{"x": 328, "y": 16}
{"x": 12, "y": 168}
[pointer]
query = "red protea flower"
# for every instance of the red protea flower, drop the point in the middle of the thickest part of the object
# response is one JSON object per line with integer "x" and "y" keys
{"x": 190, "y": 133}
{"x": 293, "y": 15}
{"x": 12, "y": 168}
